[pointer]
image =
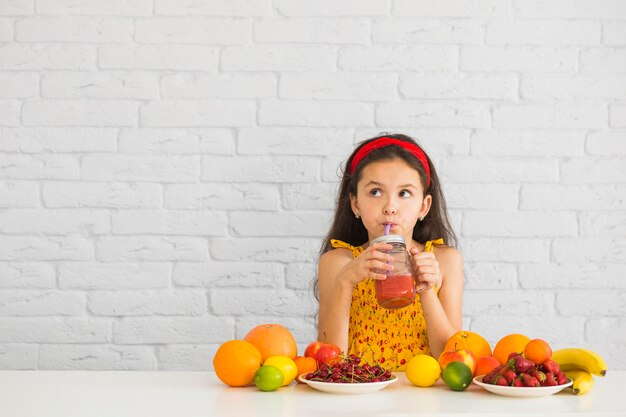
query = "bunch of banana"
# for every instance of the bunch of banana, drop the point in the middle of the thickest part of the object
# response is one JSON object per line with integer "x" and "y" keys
{"x": 580, "y": 365}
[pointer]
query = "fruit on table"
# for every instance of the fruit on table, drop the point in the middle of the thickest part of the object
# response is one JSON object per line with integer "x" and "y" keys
{"x": 521, "y": 372}
{"x": 268, "y": 378}
{"x": 464, "y": 356}
{"x": 304, "y": 365}
{"x": 322, "y": 352}
{"x": 466, "y": 340}
{"x": 485, "y": 365}
{"x": 347, "y": 369}
{"x": 286, "y": 365}
{"x": 236, "y": 362}
{"x": 582, "y": 381}
{"x": 457, "y": 375}
{"x": 578, "y": 358}
{"x": 423, "y": 370}
{"x": 512, "y": 343}
{"x": 538, "y": 351}
{"x": 271, "y": 340}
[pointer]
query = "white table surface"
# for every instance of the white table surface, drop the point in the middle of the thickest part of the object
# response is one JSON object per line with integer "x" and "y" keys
{"x": 177, "y": 394}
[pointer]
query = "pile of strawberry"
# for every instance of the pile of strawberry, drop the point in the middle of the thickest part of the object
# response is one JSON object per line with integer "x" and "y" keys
{"x": 521, "y": 372}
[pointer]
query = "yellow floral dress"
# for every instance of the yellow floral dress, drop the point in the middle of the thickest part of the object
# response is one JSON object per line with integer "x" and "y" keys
{"x": 389, "y": 337}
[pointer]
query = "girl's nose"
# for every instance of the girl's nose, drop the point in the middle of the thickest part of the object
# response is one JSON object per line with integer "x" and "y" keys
{"x": 389, "y": 209}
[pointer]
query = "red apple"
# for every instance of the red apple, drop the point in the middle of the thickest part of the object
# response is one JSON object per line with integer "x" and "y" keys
{"x": 462, "y": 355}
{"x": 322, "y": 352}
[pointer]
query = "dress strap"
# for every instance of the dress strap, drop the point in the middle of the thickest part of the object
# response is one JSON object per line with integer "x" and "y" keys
{"x": 428, "y": 246}
{"x": 339, "y": 244}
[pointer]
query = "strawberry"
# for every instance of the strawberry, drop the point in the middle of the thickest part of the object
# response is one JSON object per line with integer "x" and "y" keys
{"x": 490, "y": 378}
{"x": 550, "y": 366}
{"x": 529, "y": 381}
{"x": 502, "y": 381}
{"x": 521, "y": 364}
{"x": 498, "y": 369}
{"x": 540, "y": 376}
{"x": 517, "y": 382}
{"x": 561, "y": 378}
{"x": 509, "y": 375}
{"x": 535, "y": 372}
{"x": 550, "y": 380}
{"x": 512, "y": 355}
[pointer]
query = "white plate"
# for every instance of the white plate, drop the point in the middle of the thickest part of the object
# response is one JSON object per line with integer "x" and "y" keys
{"x": 521, "y": 391}
{"x": 355, "y": 388}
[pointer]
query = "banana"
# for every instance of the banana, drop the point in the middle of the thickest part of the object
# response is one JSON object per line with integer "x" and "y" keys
{"x": 583, "y": 381}
{"x": 577, "y": 358}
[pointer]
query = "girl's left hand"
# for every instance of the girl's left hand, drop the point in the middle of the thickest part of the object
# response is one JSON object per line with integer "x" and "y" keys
{"x": 425, "y": 269}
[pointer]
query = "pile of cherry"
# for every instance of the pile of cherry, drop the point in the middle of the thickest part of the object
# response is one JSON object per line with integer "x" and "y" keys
{"x": 348, "y": 370}
{"x": 521, "y": 372}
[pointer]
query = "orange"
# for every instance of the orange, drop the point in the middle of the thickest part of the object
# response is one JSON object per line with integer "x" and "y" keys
{"x": 236, "y": 362}
{"x": 486, "y": 364}
{"x": 538, "y": 351}
{"x": 465, "y": 340}
{"x": 508, "y": 344}
{"x": 305, "y": 365}
{"x": 272, "y": 340}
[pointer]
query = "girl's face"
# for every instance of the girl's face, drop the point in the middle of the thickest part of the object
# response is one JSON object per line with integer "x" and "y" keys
{"x": 390, "y": 192}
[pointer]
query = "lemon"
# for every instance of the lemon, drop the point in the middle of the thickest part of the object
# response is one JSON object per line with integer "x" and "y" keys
{"x": 286, "y": 365}
{"x": 423, "y": 370}
{"x": 457, "y": 376}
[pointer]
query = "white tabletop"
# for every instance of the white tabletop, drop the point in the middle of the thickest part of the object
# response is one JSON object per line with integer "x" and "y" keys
{"x": 178, "y": 394}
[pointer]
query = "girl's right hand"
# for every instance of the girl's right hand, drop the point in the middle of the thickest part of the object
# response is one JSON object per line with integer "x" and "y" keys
{"x": 369, "y": 264}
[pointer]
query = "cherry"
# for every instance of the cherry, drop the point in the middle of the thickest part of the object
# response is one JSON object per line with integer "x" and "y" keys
{"x": 348, "y": 370}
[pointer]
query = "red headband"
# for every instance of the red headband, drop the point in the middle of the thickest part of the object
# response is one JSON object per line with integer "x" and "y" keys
{"x": 385, "y": 141}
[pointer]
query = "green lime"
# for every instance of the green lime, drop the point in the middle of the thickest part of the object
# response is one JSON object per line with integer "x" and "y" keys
{"x": 457, "y": 376}
{"x": 268, "y": 378}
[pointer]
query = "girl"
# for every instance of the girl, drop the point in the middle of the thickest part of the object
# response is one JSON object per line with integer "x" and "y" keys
{"x": 389, "y": 181}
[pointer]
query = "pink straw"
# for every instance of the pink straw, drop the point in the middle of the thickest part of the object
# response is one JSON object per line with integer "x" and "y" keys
{"x": 387, "y": 227}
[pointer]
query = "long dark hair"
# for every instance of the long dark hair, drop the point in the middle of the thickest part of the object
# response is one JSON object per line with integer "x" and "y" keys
{"x": 349, "y": 229}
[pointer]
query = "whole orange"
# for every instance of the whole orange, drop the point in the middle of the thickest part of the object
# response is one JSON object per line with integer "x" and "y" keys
{"x": 236, "y": 362}
{"x": 486, "y": 364}
{"x": 538, "y": 351}
{"x": 272, "y": 340}
{"x": 466, "y": 340}
{"x": 305, "y": 365}
{"x": 508, "y": 344}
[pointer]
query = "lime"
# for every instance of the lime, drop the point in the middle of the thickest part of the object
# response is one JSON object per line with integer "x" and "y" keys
{"x": 457, "y": 376}
{"x": 423, "y": 370}
{"x": 268, "y": 378}
{"x": 286, "y": 365}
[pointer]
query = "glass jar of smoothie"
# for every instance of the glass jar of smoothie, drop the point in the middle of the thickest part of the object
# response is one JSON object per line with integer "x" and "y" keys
{"x": 399, "y": 289}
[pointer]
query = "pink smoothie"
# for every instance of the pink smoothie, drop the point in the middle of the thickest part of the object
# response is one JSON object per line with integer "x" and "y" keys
{"x": 396, "y": 291}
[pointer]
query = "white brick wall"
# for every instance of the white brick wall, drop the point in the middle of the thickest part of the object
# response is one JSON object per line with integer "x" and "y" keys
{"x": 168, "y": 168}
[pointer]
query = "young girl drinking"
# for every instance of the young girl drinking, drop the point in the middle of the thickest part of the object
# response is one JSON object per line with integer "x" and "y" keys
{"x": 389, "y": 185}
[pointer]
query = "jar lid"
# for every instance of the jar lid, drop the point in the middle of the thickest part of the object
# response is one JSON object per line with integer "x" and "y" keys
{"x": 389, "y": 239}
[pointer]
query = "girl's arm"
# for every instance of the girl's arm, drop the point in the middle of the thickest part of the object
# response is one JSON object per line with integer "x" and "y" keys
{"x": 338, "y": 272}
{"x": 443, "y": 311}
{"x": 335, "y": 298}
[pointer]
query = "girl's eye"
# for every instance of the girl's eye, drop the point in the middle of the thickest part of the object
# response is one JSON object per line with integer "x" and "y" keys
{"x": 405, "y": 193}
{"x": 375, "y": 192}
